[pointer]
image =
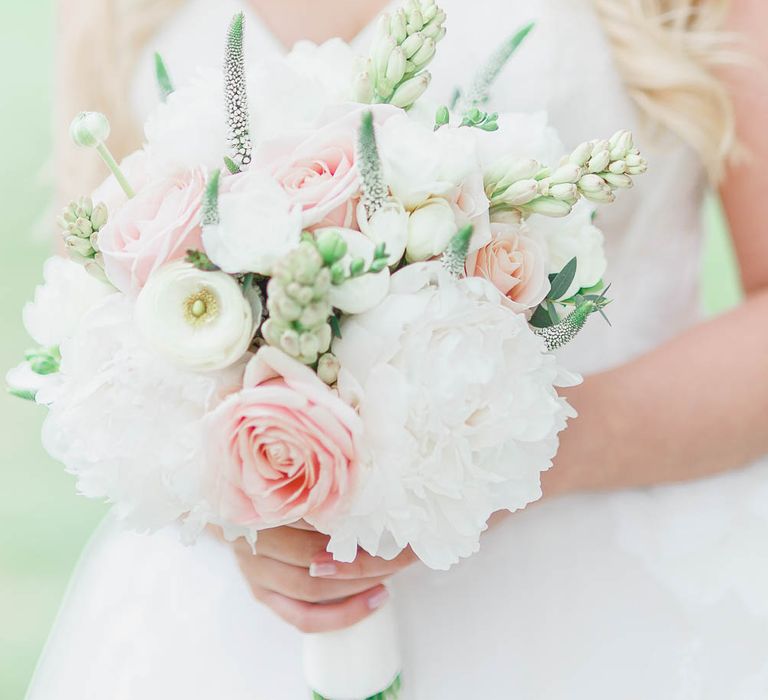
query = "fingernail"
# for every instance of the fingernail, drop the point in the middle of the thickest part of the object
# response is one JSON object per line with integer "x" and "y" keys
{"x": 378, "y": 599}
{"x": 320, "y": 569}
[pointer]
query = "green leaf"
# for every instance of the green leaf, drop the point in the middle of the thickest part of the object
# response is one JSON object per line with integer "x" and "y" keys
{"x": 540, "y": 318}
{"x": 201, "y": 261}
{"x": 335, "y": 326}
{"x": 230, "y": 165}
{"x": 563, "y": 280}
{"x": 553, "y": 315}
{"x": 164, "y": 83}
{"x": 24, "y": 394}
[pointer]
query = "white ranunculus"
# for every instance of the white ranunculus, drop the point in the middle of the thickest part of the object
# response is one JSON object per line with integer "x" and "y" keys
{"x": 389, "y": 225}
{"x": 127, "y": 423}
{"x": 574, "y": 236}
{"x": 43, "y": 386}
{"x": 198, "y": 320}
{"x": 257, "y": 226}
{"x": 430, "y": 228}
{"x": 461, "y": 415}
{"x": 60, "y": 303}
{"x": 362, "y": 293}
{"x": 420, "y": 163}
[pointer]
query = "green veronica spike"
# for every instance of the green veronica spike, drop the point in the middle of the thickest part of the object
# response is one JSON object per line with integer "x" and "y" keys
{"x": 479, "y": 92}
{"x": 164, "y": 82}
{"x": 210, "y": 208}
{"x": 236, "y": 94}
{"x": 455, "y": 256}
{"x": 564, "y": 332}
{"x": 374, "y": 192}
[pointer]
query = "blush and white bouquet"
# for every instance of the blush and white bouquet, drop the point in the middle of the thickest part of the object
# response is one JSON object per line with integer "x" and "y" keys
{"x": 313, "y": 296}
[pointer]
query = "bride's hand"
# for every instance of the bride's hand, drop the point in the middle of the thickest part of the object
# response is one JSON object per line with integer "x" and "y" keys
{"x": 294, "y": 576}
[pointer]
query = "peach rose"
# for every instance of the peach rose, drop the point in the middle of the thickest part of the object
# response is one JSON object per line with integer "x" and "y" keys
{"x": 157, "y": 226}
{"x": 319, "y": 171}
{"x": 281, "y": 449}
{"x": 515, "y": 263}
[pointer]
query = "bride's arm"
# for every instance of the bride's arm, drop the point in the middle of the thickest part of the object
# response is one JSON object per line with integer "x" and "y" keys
{"x": 699, "y": 404}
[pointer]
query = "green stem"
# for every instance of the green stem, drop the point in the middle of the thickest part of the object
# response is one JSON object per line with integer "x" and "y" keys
{"x": 391, "y": 693}
{"x": 109, "y": 159}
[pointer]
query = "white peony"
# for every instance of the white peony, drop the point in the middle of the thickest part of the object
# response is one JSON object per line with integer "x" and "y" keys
{"x": 67, "y": 294}
{"x": 257, "y": 226}
{"x": 198, "y": 320}
{"x": 388, "y": 225}
{"x": 189, "y": 130}
{"x": 457, "y": 397}
{"x": 574, "y": 236}
{"x": 127, "y": 424}
{"x": 359, "y": 294}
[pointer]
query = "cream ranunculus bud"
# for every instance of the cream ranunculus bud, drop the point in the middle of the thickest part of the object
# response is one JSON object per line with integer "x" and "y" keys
{"x": 89, "y": 129}
{"x": 359, "y": 293}
{"x": 328, "y": 368}
{"x": 430, "y": 228}
{"x": 388, "y": 225}
{"x": 198, "y": 320}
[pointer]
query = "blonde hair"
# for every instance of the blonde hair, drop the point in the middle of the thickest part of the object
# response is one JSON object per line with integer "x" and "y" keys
{"x": 668, "y": 52}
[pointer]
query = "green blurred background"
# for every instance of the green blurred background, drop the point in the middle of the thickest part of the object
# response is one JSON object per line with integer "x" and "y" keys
{"x": 43, "y": 524}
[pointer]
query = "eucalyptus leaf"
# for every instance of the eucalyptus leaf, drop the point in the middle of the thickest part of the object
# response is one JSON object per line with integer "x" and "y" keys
{"x": 164, "y": 82}
{"x": 563, "y": 280}
{"x": 540, "y": 318}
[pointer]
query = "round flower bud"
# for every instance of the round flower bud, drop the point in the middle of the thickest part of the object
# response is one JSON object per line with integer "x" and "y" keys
{"x": 328, "y": 368}
{"x": 89, "y": 129}
{"x": 430, "y": 228}
{"x": 331, "y": 246}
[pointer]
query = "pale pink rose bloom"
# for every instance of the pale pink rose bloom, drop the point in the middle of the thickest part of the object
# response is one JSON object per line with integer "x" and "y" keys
{"x": 136, "y": 170}
{"x": 159, "y": 225}
{"x": 471, "y": 206}
{"x": 318, "y": 169}
{"x": 281, "y": 449}
{"x": 515, "y": 263}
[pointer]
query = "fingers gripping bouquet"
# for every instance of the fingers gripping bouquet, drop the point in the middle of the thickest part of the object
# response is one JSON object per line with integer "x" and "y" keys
{"x": 312, "y": 296}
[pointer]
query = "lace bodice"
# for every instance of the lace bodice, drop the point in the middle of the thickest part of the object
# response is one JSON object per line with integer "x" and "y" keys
{"x": 565, "y": 68}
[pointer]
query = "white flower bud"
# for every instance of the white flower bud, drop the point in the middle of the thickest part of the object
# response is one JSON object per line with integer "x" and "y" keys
{"x": 618, "y": 167}
{"x": 621, "y": 144}
{"x": 99, "y": 216}
{"x": 309, "y": 346}
{"x": 328, "y": 368}
{"x": 89, "y": 129}
{"x": 430, "y": 229}
{"x": 397, "y": 26}
{"x": 411, "y": 90}
{"x": 415, "y": 21}
{"x": 520, "y": 192}
{"x": 289, "y": 341}
{"x": 549, "y": 206}
{"x": 425, "y": 54}
{"x": 566, "y": 192}
{"x": 599, "y": 162}
{"x": 591, "y": 183}
{"x": 412, "y": 44}
{"x": 620, "y": 181}
{"x": 569, "y": 172}
{"x": 81, "y": 246}
{"x": 388, "y": 225}
{"x": 395, "y": 67}
{"x": 505, "y": 172}
{"x": 363, "y": 88}
{"x": 581, "y": 155}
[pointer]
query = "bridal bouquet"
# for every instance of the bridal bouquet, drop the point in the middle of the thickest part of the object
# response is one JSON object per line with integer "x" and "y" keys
{"x": 314, "y": 296}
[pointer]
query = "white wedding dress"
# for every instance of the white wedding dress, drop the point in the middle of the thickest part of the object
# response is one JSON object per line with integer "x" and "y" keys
{"x": 654, "y": 594}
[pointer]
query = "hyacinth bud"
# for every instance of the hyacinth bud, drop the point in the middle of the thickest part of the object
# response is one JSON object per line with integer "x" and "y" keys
{"x": 507, "y": 172}
{"x": 566, "y": 192}
{"x": 548, "y": 206}
{"x": 618, "y": 167}
{"x": 410, "y": 91}
{"x": 412, "y": 44}
{"x": 363, "y": 88}
{"x": 581, "y": 155}
{"x": 328, "y": 367}
{"x": 79, "y": 246}
{"x": 591, "y": 183}
{"x": 83, "y": 228}
{"x": 99, "y": 217}
{"x": 618, "y": 181}
{"x": 569, "y": 173}
{"x": 621, "y": 144}
{"x": 89, "y": 129}
{"x": 424, "y": 55}
{"x": 395, "y": 67}
{"x": 599, "y": 161}
{"x": 520, "y": 192}
{"x": 398, "y": 26}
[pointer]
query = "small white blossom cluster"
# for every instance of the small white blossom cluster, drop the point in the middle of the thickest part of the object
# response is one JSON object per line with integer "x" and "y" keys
{"x": 273, "y": 335}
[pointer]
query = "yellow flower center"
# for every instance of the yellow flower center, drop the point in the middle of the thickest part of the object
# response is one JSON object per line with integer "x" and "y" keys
{"x": 201, "y": 307}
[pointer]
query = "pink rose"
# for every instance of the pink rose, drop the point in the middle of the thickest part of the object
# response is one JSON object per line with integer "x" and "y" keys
{"x": 318, "y": 170}
{"x": 281, "y": 449}
{"x": 515, "y": 263}
{"x": 159, "y": 225}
